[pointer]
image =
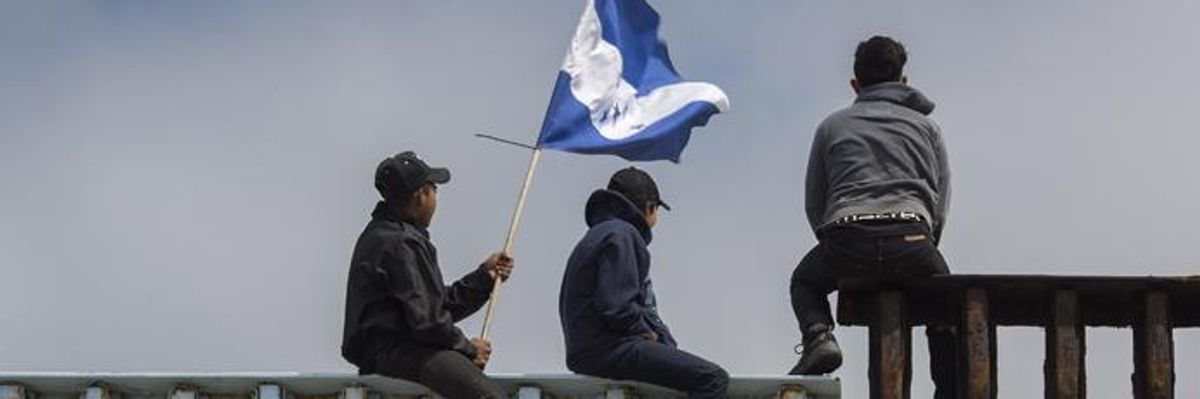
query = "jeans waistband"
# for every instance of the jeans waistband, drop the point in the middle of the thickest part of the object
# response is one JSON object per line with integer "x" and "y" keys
{"x": 879, "y": 217}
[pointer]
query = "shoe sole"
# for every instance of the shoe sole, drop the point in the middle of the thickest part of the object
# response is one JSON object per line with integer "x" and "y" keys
{"x": 824, "y": 364}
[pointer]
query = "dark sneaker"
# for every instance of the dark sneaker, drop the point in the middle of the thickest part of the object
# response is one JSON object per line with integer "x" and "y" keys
{"x": 821, "y": 355}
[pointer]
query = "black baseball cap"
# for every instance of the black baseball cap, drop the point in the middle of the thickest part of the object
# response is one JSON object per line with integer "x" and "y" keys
{"x": 403, "y": 173}
{"x": 637, "y": 186}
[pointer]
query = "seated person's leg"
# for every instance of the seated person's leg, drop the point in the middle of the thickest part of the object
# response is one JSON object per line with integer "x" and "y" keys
{"x": 453, "y": 376}
{"x": 812, "y": 282}
{"x": 659, "y": 364}
{"x": 448, "y": 373}
{"x": 943, "y": 360}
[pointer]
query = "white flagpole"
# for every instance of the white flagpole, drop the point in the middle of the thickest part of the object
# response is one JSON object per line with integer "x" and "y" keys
{"x": 508, "y": 241}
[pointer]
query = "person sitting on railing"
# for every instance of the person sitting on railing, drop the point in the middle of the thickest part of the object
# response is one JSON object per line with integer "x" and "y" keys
{"x": 607, "y": 306}
{"x": 399, "y": 314}
{"x": 877, "y": 191}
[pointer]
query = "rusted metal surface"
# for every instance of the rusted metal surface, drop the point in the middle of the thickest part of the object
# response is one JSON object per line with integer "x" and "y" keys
{"x": 1153, "y": 350}
{"x": 890, "y": 367}
{"x": 1063, "y": 305}
{"x": 1020, "y": 300}
{"x": 979, "y": 346}
{"x": 1065, "y": 346}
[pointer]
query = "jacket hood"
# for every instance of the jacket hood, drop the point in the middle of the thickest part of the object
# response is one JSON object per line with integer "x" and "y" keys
{"x": 603, "y": 205}
{"x": 897, "y": 93}
{"x": 389, "y": 211}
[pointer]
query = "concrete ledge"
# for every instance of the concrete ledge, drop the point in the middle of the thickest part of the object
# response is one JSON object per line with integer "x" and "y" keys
{"x": 337, "y": 386}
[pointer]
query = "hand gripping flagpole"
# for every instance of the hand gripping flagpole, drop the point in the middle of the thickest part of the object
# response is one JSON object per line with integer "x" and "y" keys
{"x": 512, "y": 227}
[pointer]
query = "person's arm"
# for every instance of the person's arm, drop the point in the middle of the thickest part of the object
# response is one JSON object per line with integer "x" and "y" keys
{"x": 469, "y": 293}
{"x": 618, "y": 286}
{"x": 816, "y": 182}
{"x": 943, "y": 181}
{"x": 428, "y": 322}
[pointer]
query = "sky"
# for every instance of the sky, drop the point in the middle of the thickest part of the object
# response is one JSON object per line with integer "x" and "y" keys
{"x": 181, "y": 183}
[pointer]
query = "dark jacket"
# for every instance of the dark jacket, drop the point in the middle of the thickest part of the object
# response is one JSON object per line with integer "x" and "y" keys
{"x": 396, "y": 292}
{"x": 881, "y": 154}
{"x": 606, "y": 294}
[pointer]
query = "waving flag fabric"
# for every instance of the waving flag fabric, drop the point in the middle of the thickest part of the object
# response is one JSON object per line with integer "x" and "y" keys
{"x": 617, "y": 92}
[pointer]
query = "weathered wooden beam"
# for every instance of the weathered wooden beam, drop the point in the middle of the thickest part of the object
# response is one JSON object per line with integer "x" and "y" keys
{"x": 979, "y": 346}
{"x": 890, "y": 368}
{"x": 1154, "y": 350}
{"x": 1065, "y": 346}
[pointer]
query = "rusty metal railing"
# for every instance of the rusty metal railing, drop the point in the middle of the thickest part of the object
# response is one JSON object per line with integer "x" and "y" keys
{"x": 1063, "y": 305}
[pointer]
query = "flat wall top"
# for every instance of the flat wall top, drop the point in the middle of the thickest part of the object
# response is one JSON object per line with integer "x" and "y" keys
{"x": 160, "y": 385}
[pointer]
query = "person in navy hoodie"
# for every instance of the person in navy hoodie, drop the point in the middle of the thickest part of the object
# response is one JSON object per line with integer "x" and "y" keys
{"x": 607, "y": 306}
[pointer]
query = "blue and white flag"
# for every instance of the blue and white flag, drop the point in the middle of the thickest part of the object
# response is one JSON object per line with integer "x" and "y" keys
{"x": 617, "y": 92}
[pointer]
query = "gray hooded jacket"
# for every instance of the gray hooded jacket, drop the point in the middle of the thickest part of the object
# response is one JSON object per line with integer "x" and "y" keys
{"x": 881, "y": 154}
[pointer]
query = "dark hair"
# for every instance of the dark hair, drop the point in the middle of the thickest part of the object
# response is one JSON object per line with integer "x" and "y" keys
{"x": 878, "y": 60}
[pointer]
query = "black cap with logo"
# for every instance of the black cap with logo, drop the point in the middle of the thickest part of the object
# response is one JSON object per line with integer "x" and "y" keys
{"x": 637, "y": 186}
{"x": 404, "y": 173}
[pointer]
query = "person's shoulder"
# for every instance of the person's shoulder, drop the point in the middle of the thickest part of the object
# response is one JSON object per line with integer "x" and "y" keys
{"x": 838, "y": 116}
{"x": 835, "y": 120}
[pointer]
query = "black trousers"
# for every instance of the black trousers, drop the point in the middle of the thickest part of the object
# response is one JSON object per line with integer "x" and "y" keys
{"x": 881, "y": 250}
{"x": 638, "y": 359}
{"x": 448, "y": 373}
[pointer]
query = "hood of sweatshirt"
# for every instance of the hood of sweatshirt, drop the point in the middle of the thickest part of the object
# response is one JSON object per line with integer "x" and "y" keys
{"x": 897, "y": 93}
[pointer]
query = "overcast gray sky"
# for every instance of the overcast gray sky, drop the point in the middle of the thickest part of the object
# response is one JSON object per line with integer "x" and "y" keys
{"x": 181, "y": 183}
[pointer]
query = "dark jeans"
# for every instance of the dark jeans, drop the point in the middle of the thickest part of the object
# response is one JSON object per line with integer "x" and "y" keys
{"x": 879, "y": 250}
{"x": 647, "y": 361}
{"x": 448, "y": 373}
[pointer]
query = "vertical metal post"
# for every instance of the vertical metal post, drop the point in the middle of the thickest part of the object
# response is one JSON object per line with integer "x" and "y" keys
{"x": 792, "y": 392}
{"x": 12, "y": 392}
{"x": 96, "y": 391}
{"x": 890, "y": 367}
{"x": 1154, "y": 349}
{"x": 979, "y": 346}
{"x": 354, "y": 392}
{"x": 1065, "y": 347}
{"x": 529, "y": 392}
{"x": 269, "y": 391}
{"x": 616, "y": 392}
{"x": 183, "y": 392}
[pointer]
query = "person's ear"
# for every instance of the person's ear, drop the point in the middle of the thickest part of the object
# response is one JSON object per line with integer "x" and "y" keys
{"x": 856, "y": 86}
{"x": 417, "y": 196}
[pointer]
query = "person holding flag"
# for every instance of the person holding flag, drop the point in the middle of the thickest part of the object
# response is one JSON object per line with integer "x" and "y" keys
{"x": 399, "y": 314}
